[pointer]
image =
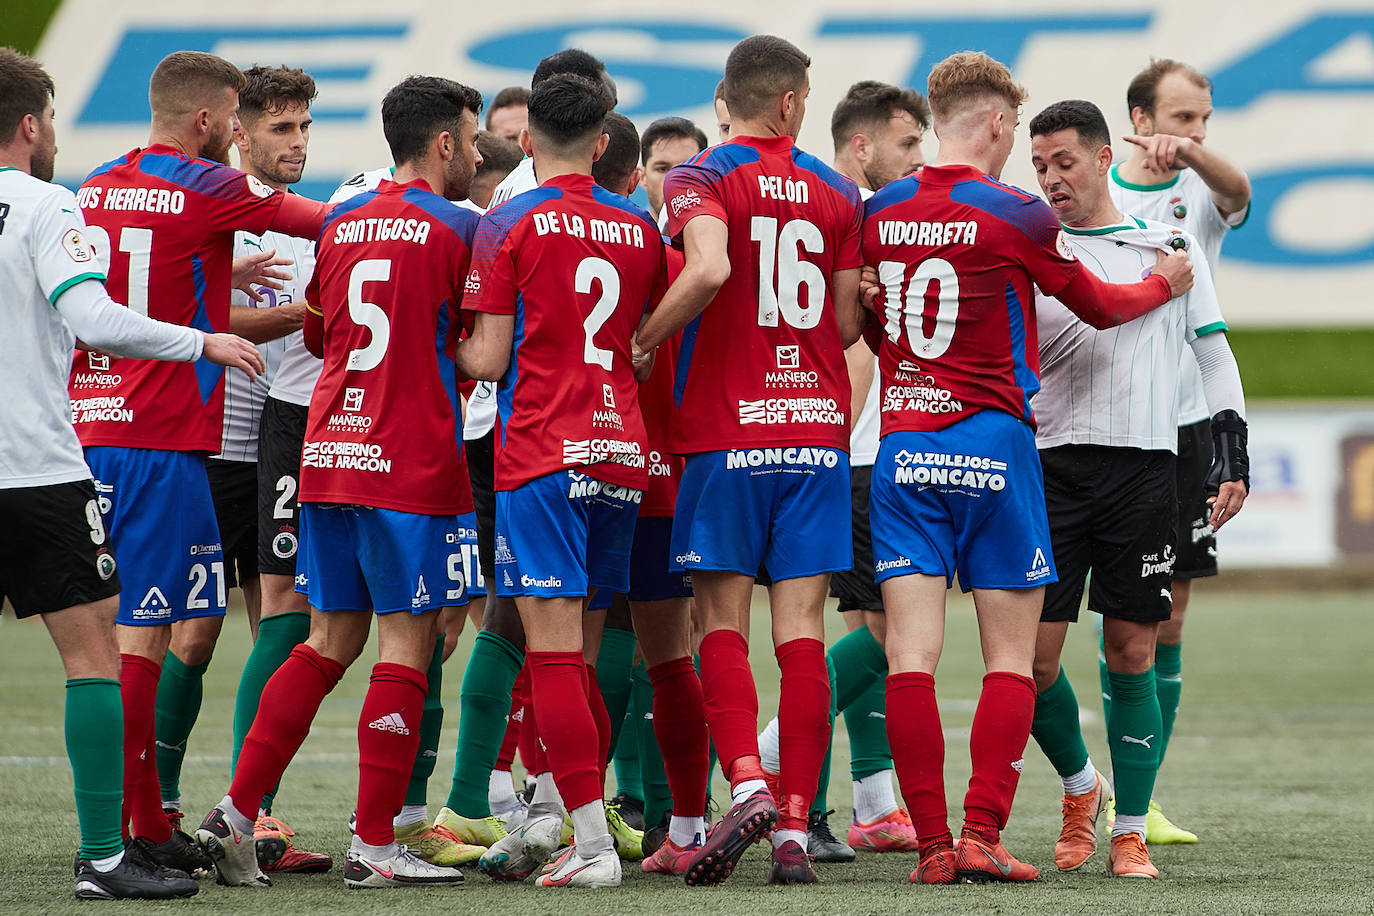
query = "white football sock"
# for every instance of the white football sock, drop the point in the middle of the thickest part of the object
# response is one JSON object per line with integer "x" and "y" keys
{"x": 782, "y": 836}
{"x": 1080, "y": 782}
{"x": 873, "y": 797}
{"x": 108, "y": 863}
{"x": 370, "y": 852}
{"x": 1129, "y": 823}
{"x": 236, "y": 818}
{"x": 684, "y": 831}
{"x": 589, "y": 829}
{"x": 769, "y": 752}
{"x": 546, "y": 790}
{"x": 501, "y": 792}
{"x": 410, "y": 814}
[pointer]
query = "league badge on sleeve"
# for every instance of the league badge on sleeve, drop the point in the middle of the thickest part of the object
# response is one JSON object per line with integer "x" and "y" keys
{"x": 76, "y": 246}
{"x": 1062, "y": 243}
{"x": 258, "y": 188}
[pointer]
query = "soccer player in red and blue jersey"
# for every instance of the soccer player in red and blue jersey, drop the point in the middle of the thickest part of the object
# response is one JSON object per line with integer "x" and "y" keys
{"x": 768, "y": 295}
{"x": 957, "y": 484}
{"x": 561, "y": 277}
{"x": 381, "y": 481}
{"x": 165, "y": 219}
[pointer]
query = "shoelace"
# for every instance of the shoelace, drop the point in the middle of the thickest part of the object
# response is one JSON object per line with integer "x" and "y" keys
{"x": 820, "y": 826}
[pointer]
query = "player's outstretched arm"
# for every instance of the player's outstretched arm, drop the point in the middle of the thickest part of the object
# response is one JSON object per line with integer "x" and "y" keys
{"x": 485, "y": 355}
{"x": 300, "y": 216}
{"x": 1106, "y": 305}
{"x": 704, "y": 241}
{"x": 1228, "y": 183}
{"x": 262, "y": 325}
{"x": 235, "y": 352}
{"x": 103, "y": 324}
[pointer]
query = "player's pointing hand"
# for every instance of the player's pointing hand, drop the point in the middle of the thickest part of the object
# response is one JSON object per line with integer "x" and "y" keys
{"x": 1163, "y": 152}
{"x": 1177, "y": 268}
{"x": 232, "y": 350}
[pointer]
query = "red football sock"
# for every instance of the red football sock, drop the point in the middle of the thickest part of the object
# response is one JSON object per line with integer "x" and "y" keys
{"x": 918, "y": 752}
{"x": 519, "y": 693}
{"x": 138, "y": 677}
{"x": 680, "y": 726}
{"x": 732, "y": 701}
{"x": 803, "y": 727}
{"x": 597, "y": 704}
{"x": 289, "y": 702}
{"x": 1001, "y": 727}
{"x": 531, "y": 748}
{"x": 566, "y": 726}
{"x": 388, "y": 737}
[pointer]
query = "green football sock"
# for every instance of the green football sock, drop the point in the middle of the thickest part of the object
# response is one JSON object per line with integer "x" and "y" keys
{"x": 1103, "y": 679}
{"x": 628, "y": 776}
{"x": 431, "y": 724}
{"x": 483, "y": 705}
{"x": 658, "y": 799}
{"x": 1133, "y": 734}
{"x": 178, "y": 707}
{"x": 1169, "y": 685}
{"x": 866, "y": 722}
{"x": 1055, "y": 727}
{"x": 860, "y": 693}
{"x": 613, "y": 663}
{"x": 277, "y": 636}
{"x": 95, "y": 746}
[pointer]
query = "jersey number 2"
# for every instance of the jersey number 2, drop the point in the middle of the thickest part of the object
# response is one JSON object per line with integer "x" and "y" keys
{"x": 602, "y": 270}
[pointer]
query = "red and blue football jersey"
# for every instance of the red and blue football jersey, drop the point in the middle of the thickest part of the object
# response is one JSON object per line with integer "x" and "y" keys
{"x": 165, "y": 223}
{"x": 384, "y": 424}
{"x": 657, "y": 405}
{"x": 956, "y": 253}
{"x": 577, "y": 266}
{"x": 764, "y": 363}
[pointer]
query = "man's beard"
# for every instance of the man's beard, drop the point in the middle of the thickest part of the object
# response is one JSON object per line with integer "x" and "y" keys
{"x": 41, "y": 164}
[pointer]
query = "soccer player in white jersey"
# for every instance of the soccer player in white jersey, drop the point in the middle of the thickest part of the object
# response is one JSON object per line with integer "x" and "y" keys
{"x": 1172, "y": 177}
{"x": 256, "y": 476}
{"x": 1108, "y": 412}
{"x": 877, "y": 130}
{"x": 56, "y": 558}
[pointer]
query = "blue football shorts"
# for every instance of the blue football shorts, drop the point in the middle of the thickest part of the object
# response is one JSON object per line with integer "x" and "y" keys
{"x": 969, "y": 499}
{"x": 564, "y": 534}
{"x": 357, "y": 558}
{"x": 158, "y": 509}
{"x": 784, "y": 508}
{"x": 467, "y": 546}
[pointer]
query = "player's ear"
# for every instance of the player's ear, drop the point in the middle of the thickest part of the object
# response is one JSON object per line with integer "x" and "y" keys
{"x": 526, "y": 145}
{"x": 445, "y": 146}
{"x": 602, "y": 142}
{"x": 635, "y": 178}
{"x": 1104, "y": 159}
{"x": 1141, "y": 121}
{"x": 858, "y": 145}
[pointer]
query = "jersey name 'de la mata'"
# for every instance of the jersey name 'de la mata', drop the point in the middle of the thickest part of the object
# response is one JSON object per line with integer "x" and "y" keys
{"x": 577, "y": 266}
{"x": 382, "y": 428}
{"x": 764, "y": 363}
{"x": 164, "y": 224}
{"x": 957, "y": 253}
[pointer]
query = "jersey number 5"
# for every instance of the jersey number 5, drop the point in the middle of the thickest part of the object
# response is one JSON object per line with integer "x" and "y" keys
{"x": 368, "y": 314}
{"x": 912, "y": 308}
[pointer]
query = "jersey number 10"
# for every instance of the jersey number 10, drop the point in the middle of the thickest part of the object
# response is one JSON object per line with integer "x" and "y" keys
{"x": 911, "y": 309}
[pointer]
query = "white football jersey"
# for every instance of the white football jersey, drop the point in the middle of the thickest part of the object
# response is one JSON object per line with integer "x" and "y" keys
{"x": 520, "y": 180}
{"x": 1185, "y": 203}
{"x": 291, "y": 369}
{"x": 43, "y": 253}
{"x": 1119, "y": 386}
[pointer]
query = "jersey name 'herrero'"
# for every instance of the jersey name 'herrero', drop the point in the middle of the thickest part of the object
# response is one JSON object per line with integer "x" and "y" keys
{"x": 384, "y": 415}
{"x": 576, "y": 266}
{"x": 1119, "y": 386}
{"x": 164, "y": 224}
{"x": 764, "y": 363}
{"x": 956, "y": 253}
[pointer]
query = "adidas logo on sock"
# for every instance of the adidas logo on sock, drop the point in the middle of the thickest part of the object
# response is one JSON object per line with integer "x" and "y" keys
{"x": 392, "y": 722}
